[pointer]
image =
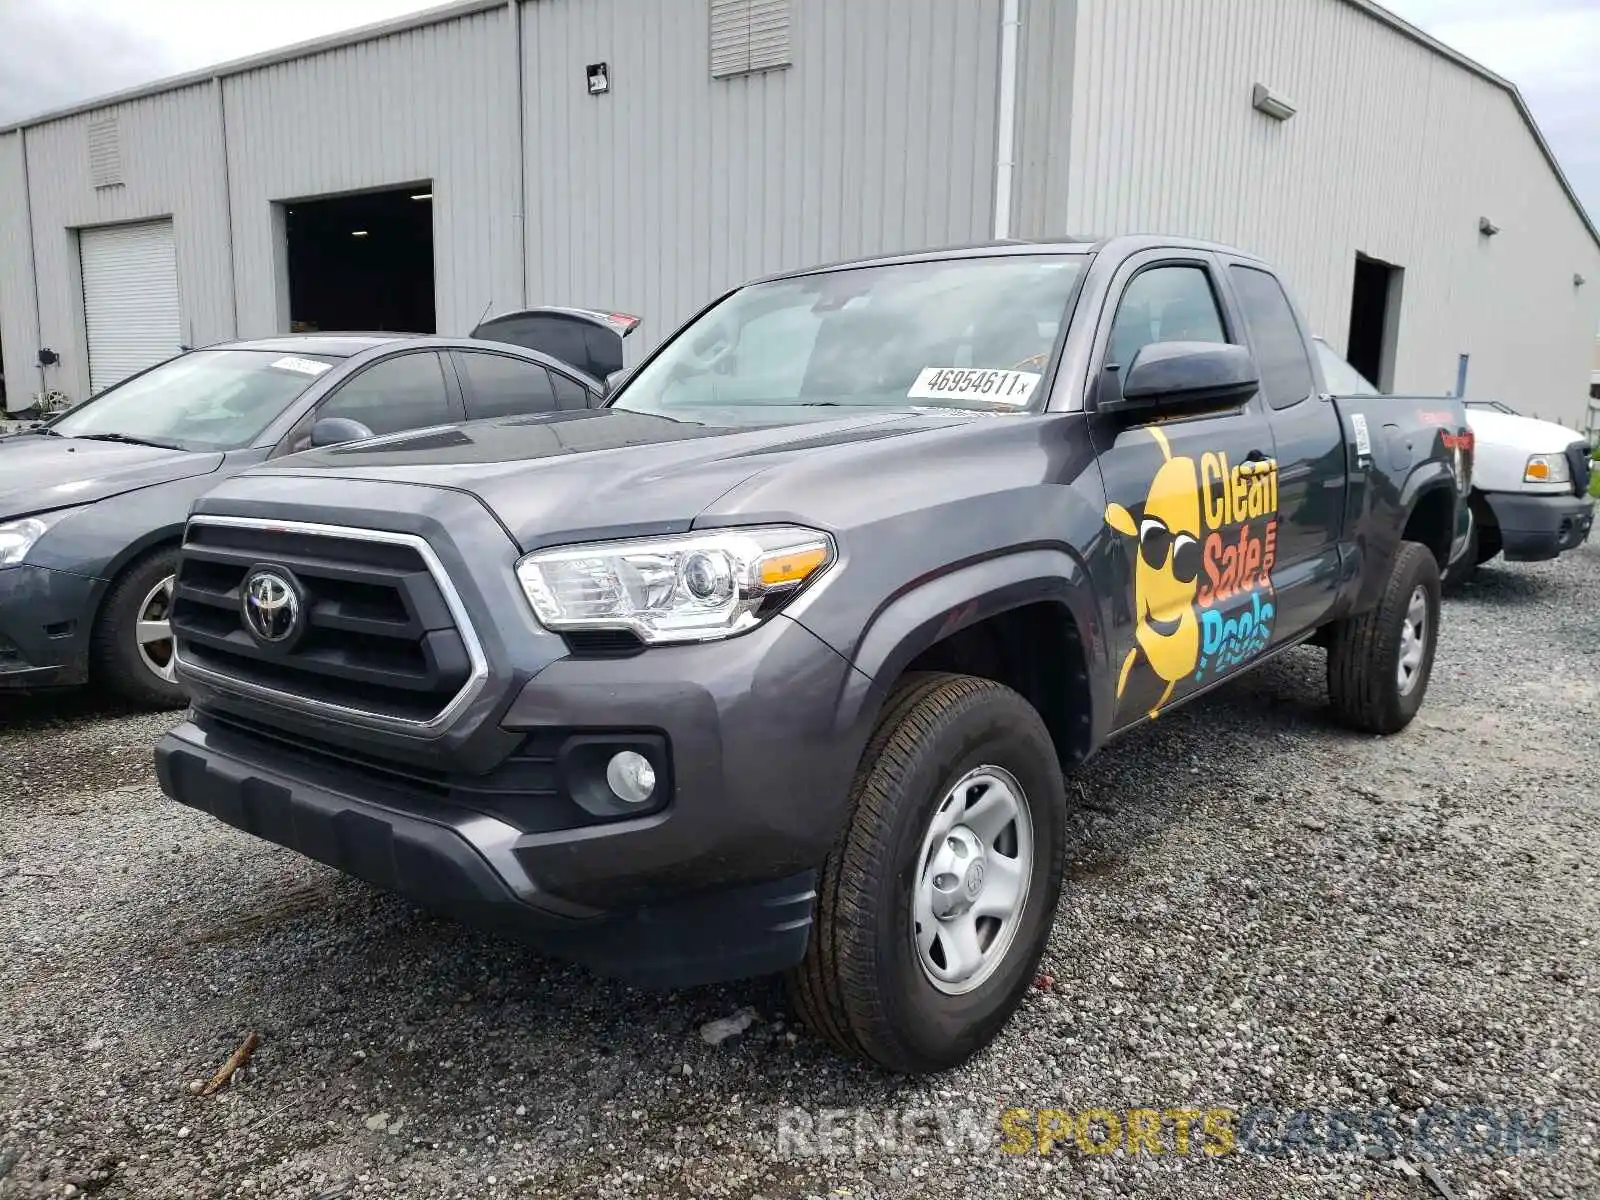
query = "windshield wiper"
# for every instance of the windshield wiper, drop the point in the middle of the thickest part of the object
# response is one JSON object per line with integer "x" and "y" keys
{"x": 128, "y": 439}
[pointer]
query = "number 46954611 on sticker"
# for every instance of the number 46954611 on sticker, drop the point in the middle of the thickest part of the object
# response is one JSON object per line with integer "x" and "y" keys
{"x": 973, "y": 383}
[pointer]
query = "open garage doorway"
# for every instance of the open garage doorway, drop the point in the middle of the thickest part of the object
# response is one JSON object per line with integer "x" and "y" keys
{"x": 362, "y": 262}
{"x": 1375, "y": 319}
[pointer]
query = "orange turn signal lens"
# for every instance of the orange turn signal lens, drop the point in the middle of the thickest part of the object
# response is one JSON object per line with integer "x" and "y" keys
{"x": 790, "y": 568}
{"x": 1538, "y": 470}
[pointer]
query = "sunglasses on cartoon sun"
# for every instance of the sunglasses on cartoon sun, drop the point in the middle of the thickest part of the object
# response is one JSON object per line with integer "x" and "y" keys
{"x": 1157, "y": 542}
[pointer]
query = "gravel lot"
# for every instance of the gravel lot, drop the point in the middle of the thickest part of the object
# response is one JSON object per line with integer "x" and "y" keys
{"x": 1262, "y": 910}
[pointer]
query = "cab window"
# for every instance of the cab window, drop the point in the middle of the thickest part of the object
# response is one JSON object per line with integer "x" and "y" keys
{"x": 1275, "y": 338}
{"x": 1165, "y": 304}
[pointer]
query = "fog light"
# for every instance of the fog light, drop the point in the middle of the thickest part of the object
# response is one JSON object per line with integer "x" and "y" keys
{"x": 631, "y": 777}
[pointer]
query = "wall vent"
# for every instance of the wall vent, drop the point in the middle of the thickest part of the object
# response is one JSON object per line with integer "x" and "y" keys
{"x": 105, "y": 152}
{"x": 748, "y": 36}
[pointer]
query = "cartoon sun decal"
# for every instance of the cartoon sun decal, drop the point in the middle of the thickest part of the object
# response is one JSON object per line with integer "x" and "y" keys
{"x": 1166, "y": 627}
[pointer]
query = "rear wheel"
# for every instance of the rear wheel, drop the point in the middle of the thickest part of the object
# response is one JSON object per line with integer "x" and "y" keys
{"x": 936, "y": 903}
{"x": 132, "y": 646}
{"x": 1379, "y": 663}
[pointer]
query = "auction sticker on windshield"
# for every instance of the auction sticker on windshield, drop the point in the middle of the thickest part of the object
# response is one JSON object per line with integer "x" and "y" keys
{"x": 973, "y": 383}
{"x": 305, "y": 366}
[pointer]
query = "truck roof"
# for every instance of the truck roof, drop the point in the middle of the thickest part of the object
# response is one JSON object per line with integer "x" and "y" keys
{"x": 1122, "y": 244}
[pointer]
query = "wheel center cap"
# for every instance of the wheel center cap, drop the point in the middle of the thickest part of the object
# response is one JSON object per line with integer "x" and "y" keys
{"x": 957, "y": 874}
{"x": 974, "y": 884}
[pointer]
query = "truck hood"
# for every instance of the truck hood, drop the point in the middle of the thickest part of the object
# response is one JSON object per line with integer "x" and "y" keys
{"x": 563, "y": 475}
{"x": 1528, "y": 434}
{"x": 38, "y": 473}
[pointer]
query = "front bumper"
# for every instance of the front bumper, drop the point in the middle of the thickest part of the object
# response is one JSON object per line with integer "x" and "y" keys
{"x": 45, "y": 622}
{"x": 1534, "y": 528}
{"x": 717, "y": 884}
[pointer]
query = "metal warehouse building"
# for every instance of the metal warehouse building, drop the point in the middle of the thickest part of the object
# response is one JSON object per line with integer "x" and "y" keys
{"x": 642, "y": 154}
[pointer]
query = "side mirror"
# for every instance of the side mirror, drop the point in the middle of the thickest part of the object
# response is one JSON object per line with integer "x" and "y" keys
{"x": 1185, "y": 376}
{"x": 335, "y": 431}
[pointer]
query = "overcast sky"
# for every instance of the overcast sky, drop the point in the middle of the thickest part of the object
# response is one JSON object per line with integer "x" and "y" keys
{"x": 56, "y": 52}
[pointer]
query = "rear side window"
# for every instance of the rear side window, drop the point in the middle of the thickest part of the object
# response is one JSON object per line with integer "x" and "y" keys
{"x": 406, "y": 392}
{"x": 570, "y": 393}
{"x": 1275, "y": 337}
{"x": 501, "y": 386}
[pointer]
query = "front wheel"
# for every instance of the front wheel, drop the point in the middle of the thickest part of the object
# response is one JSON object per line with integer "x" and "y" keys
{"x": 133, "y": 647}
{"x": 935, "y": 905}
{"x": 1379, "y": 663}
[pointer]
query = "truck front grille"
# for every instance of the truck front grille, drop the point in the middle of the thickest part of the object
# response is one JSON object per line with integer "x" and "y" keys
{"x": 378, "y": 634}
{"x": 1578, "y": 460}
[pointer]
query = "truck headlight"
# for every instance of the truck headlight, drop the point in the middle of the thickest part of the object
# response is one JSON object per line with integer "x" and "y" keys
{"x": 692, "y": 588}
{"x": 1547, "y": 468}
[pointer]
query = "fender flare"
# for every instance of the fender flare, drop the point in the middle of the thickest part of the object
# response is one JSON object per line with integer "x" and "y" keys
{"x": 1428, "y": 477}
{"x": 934, "y": 608}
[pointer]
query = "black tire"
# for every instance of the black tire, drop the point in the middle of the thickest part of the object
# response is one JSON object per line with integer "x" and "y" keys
{"x": 115, "y": 662}
{"x": 1364, "y": 651}
{"x": 862, "y": 986}
{"x": 1465, "y": 567}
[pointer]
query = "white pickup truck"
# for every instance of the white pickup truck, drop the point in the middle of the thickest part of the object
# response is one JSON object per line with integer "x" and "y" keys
{"x": 1530, "y": 480}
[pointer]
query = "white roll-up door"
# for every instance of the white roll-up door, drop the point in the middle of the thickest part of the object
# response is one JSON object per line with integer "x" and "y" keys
{"x": 130, "y": 299}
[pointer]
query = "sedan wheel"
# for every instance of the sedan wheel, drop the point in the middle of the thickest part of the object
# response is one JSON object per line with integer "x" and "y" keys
{"x": 153, "y": 631}
{"x": 132, "y": 651}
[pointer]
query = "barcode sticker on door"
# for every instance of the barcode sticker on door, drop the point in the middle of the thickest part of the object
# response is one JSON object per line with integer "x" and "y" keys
{"x": 1363, "y": 438}
{"x": 973, "y": 383}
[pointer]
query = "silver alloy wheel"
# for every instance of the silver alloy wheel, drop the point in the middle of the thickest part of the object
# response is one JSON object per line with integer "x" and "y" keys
{"x": 1413, "y": 641}
{"x": 972, "y": 880}
{"x": 152, "y": 631}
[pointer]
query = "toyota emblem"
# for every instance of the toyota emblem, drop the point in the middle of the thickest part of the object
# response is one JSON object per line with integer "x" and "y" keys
{"x": 271, "y": 606}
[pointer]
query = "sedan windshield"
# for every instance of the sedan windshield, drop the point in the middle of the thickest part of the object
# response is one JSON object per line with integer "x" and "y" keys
{"x": 206, "y": 400}
{"x": 957, "y": 333}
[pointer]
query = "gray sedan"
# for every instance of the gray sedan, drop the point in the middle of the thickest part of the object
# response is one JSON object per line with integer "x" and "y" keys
{"x": 92, "y": 505}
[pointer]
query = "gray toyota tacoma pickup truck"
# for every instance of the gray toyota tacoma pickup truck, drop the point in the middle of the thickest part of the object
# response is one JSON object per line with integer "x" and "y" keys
{"x": 775, "y": 662}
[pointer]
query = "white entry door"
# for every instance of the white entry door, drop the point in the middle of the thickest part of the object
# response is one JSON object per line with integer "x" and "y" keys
{"x": 130, "y": 299}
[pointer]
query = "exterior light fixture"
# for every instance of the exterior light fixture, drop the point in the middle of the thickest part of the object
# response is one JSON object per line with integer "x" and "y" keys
{"x": 358, "y": 233}
{"x": 423, "y": 196}
{"x": 1487, "y": 227}
{"x": 599, "y": 78}
{"x": 1264, "y": 99}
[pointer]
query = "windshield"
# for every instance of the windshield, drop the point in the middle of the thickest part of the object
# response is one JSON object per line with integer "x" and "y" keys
{"x": 207, "y": 400}
{"x": 1342, "y": 379}
{"x": 958, "y": 333}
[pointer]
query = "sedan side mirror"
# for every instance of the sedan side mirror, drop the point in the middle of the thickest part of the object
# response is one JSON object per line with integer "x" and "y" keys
{"x": 335, "y": 431}
{"x": 1186, "y": 376}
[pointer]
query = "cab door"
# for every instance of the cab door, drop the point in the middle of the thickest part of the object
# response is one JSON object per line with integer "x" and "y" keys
{"x": 1189, "y": 498}
{"x": 1309, "y": 445}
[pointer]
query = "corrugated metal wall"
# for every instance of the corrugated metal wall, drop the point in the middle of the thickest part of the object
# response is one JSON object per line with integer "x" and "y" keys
{"x": 1395, "y": 152}
{"x": 435, "y": 103}
{"x": 19, "y": 323}
{"x": 1043, "y": 149}
{"x": 1134, "y": 114}
{"x": 677, "y": 185}
{"x": 171, "y": 156}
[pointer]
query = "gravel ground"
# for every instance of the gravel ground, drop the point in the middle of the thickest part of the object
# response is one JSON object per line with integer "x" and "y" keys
{"x": 1262, "y": 911}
